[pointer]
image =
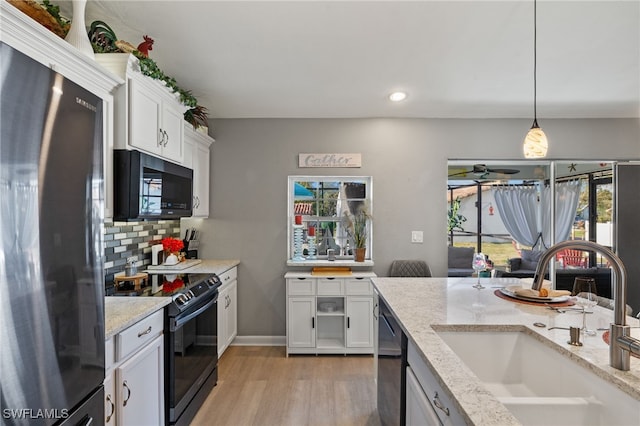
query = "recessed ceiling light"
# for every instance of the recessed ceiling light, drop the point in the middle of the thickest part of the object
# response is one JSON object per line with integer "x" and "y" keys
{"x": 398, "y": 96}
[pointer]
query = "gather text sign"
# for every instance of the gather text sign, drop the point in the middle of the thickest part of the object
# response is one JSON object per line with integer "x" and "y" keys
{"x": 330, "y": 160}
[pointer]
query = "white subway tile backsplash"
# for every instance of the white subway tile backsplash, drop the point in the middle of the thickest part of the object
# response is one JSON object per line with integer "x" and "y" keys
{"x": 133, "y": 239}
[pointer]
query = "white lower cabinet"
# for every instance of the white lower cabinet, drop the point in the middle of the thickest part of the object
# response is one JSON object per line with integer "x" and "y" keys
{"x": 360, "y": 330}
{"x": 134, "y": 382}
{"x": 301, "y": 331}
{"x": 419, "y": 409}
{"x": 330, "y": 314}
{"x": 109, "y": 399}
{"x": 227, "y": 309}
{"x": 140, "y": 386}
{"x": 426, "y": 401}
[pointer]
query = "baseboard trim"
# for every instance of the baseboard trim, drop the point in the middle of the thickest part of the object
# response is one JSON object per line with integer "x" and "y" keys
{"x": 259, "y": 341}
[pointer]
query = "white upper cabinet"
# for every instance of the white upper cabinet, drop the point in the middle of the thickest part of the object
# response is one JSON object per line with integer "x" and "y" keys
{"x": 149, "y": 117}
{"x": 197, "y": 158}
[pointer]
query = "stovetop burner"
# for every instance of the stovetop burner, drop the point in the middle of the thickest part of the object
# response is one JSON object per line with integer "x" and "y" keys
{"x": 185, "y": 289}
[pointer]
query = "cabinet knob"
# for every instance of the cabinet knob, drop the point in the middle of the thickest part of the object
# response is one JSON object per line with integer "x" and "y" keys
{"x": 113, "y": 408}
{"x": 166, "y": 138}
{"x": 160, "y": 137}
{"x": 438, "y": 404}
{"x": 147, "y": 331}
{"x": 124, "y": 385}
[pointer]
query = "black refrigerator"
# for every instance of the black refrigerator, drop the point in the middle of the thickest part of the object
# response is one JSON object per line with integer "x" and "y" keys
{"x": 51, "y": 255}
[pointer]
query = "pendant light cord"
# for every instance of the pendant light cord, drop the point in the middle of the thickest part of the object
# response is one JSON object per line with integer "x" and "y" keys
{"x": 535, "y": 62}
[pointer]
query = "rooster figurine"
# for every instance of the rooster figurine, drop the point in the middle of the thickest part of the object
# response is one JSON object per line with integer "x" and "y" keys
{"x": 145, "y": 46}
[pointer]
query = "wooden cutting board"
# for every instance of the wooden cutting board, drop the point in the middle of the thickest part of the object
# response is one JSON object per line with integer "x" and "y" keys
{"x": 332, "y": 270}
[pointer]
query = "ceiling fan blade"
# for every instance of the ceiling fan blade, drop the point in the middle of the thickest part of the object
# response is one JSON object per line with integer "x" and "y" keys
{"x": 459, "y": 173}
{"x": 504, "y": 171}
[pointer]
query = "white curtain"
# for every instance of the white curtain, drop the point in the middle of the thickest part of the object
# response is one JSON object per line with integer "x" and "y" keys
{"x": 518, "y": 208}
{"x": 526, "y": 213}
{"x": 567, "y": 198}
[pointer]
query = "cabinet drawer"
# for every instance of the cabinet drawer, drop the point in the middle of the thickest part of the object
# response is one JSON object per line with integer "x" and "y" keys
{"x": 109, "y": 353}
{"x": 139, "y": 334}
{"x": 301, "y": 286}
{"x": 330, "y": 286}
{"x": 228, "y": 276}
{"x": 358, "y": 286}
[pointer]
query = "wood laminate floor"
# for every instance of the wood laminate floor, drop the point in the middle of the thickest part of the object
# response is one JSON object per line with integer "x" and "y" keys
{"x": 260, "y": 386}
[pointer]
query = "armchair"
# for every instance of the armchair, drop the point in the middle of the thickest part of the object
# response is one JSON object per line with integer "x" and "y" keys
{"x": 459, "y": 261}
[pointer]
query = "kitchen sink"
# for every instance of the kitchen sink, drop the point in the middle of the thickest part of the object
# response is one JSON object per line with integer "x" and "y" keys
{"x": 538, "y": 384}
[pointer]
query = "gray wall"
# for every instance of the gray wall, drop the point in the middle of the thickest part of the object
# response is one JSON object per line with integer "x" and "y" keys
{"x": 251, "y": 159}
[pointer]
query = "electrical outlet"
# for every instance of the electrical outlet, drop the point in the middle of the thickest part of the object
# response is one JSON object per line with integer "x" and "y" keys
{"x": 416, "y": 236}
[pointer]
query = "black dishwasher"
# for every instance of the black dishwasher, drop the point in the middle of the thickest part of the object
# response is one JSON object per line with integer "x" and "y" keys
{"x": 392, "y": 364}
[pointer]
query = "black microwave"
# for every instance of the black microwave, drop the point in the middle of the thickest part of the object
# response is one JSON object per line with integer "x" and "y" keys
{"x": 148, "y": 187}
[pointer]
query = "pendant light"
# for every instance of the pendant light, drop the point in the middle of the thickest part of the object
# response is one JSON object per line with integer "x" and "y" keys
{"x": 535, "y": 143}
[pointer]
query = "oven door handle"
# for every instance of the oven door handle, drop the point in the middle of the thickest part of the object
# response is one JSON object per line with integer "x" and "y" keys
{"x": 180, "y": 321}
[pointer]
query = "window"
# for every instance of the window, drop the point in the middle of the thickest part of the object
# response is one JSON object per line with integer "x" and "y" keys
{"x": 320, "y": 216}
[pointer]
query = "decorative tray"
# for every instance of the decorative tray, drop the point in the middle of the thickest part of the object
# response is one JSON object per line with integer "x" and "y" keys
{"x": 177, "y": 267}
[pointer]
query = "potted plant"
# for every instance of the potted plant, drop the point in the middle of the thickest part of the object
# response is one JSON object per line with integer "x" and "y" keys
{"x": 455, "y": 219}
{"x": 356, "y": 226}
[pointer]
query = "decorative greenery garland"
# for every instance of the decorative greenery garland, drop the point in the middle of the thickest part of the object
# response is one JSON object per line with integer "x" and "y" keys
{"x": 149, "y": 68}
{"x": 104, "y": 40}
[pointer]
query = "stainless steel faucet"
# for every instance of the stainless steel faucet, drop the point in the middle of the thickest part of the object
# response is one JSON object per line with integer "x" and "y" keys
{"x": 621, "y": 344}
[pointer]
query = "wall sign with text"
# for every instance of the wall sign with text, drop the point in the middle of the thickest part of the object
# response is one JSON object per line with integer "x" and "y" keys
{"x": 330, "y": 160}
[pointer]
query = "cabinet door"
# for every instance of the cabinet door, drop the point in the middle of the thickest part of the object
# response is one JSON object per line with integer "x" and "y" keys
{"x": 189, "y": 153}
{"x": 144, "y": 118}
{"x": 223, "y": 296}
{"x": 360, "y": 322}
{"x": 140, "y": 386}
{"x": 301, "y": 312}
{"x": 109, "y": 399}
{"x": 231, "y": 312}
{"x": 418, "y": 408}
{"x": 172, "y": 129}
{"x": 201, "y": 169}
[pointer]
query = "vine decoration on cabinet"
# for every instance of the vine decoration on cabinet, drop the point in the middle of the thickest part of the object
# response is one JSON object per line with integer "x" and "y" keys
{"x": 104, "y": 40}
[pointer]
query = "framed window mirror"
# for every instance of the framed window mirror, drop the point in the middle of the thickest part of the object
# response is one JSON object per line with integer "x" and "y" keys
{"x": 329, "y": 217}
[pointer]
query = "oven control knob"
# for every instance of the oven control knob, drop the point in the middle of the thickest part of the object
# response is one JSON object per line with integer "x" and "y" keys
{"x": 181, "y": 299}
{"x": 190, "y": 295}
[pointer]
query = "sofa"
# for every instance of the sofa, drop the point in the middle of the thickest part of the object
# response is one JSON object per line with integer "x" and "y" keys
{"x": 459, "y": 261}
{"x": 524, "y": 266}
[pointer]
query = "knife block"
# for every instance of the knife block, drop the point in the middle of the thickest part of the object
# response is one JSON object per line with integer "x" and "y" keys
{"x": 191, "y": 248}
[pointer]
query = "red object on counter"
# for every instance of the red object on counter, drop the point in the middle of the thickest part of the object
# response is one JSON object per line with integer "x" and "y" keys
{"x": 298, "y": 220}
{"x": 312, "y": 231}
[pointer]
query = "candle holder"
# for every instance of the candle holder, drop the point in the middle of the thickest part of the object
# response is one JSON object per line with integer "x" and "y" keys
{"x": 297, "y": 242}
{"x": 311, "y": 247}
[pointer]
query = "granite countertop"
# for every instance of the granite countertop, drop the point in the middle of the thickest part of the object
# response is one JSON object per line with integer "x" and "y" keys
{"x": 121, "y": 312}
{"x": 420, "y": 304}
{"x": 207, "y": 266}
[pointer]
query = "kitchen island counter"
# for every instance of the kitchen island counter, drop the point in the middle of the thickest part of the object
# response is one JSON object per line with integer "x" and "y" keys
{"x": 424, "y": 305}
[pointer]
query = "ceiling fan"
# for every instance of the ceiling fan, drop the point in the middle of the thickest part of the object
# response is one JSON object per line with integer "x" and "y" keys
{"x": 481, "y": 171}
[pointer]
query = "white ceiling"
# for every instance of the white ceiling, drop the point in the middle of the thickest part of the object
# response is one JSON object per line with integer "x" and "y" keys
{"x": 468, "y": 59}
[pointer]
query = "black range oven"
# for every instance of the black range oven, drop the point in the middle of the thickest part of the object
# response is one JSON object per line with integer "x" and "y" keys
{"x": 191, "y": 340}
